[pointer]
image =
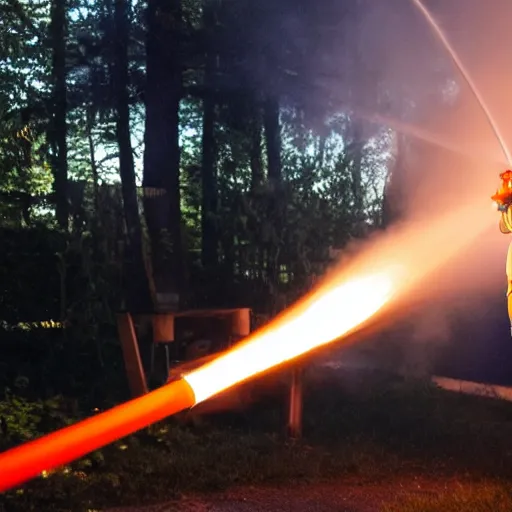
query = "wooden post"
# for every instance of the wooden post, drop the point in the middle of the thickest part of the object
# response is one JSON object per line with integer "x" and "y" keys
{"x": 163, "y": 327}
{"x": 131, "y": 355}
{"x": 240, "y": 323}
{"x": 163, "y": 332}
{"x": 295, "y": 404}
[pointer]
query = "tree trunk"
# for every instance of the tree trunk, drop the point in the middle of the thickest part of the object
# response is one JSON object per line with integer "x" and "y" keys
{"x": 356, "y": 146}
{"x": 58, "y": 125}
{"x": 89, "y": 120}
{"x": 273, "y": 140}
{"x": 393, "y": 207}
{"x": 209, "y": 246}
{"x": 255, "y": 146}
{"x": 161, "y": 179}
{"x": 321, "y": 151}
{"x": 138, "y": 291}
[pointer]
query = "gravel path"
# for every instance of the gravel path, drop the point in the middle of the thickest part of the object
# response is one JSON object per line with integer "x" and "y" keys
{"x": 333, "y": 497}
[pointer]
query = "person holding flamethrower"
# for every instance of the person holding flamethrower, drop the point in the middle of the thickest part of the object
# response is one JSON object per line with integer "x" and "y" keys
{"x": 503, "y": 200}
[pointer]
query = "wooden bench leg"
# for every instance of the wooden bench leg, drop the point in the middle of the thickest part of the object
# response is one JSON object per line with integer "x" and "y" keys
{"x": 131, "y": 355}
{"x": 295, "y": 404}
{"x": 240, "y": 324}
{"x": 152, "y": 359}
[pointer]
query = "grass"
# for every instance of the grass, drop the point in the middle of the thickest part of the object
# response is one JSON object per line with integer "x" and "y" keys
{"x": 365, "y": 427}
{"x": 478, "y": 498}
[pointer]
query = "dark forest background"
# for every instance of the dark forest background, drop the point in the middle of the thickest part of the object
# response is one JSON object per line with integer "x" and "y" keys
{"x": 189, "y": 154}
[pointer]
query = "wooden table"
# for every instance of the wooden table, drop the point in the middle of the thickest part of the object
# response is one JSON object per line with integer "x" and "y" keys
{"x": 163, "y": 324}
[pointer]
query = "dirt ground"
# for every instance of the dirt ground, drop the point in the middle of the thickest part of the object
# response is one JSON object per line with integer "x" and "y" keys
{"x": 342, "y": 496}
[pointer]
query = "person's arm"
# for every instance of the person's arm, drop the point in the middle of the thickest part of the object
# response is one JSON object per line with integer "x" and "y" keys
{"x": 509, "y": 284}
{"x": 503, "y": 225}
{"x": 506, "y": 219}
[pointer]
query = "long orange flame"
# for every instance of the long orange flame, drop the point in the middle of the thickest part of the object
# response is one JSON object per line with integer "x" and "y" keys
{"x": 320, "y": 320}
